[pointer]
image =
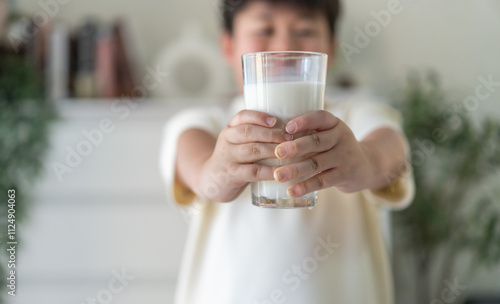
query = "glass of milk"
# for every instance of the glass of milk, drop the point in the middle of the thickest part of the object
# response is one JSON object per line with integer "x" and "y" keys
{"x": 286, "y": 85}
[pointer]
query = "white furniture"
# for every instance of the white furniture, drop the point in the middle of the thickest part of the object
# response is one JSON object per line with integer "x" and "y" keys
{"x": 109, "y": 213}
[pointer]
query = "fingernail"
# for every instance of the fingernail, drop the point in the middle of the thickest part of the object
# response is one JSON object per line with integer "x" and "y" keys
{"x": 291, "y": 127}
{"x": 291, "y": 192}
{"x": 271, "y": 121}
{"x": 288, "y": 137}
{"x": 279, "y": 175}
{"x": 280, "y": 152}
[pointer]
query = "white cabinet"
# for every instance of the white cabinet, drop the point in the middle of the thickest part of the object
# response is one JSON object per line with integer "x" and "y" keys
{"x": 108, "y": 214}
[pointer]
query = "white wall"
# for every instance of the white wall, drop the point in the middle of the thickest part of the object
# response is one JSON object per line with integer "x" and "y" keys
{"x": 459, "y": 39}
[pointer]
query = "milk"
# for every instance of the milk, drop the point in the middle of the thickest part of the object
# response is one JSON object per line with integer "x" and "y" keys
{"x": 284, "y": 100}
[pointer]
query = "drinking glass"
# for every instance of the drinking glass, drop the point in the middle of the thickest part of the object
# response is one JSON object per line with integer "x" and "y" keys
{"x": 285, "y": 85}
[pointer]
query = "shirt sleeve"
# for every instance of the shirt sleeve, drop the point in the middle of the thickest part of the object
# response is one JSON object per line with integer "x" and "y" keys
{"x": 366, "y": 117}
{"x": 208, "y": 119}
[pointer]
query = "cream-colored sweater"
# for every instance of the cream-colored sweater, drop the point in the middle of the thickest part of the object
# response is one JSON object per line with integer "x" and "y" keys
{"x": 237, "y": 253}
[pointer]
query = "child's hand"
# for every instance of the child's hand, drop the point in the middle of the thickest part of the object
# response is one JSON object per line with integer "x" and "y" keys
{"x": 338, "y": 159}
{"x": 249, "y": 137}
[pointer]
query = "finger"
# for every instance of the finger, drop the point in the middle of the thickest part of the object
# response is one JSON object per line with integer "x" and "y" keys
{"x": 253, "y": 172}
{"x": 317, "y": 120}
{"x": 313, "y": 143}
{"x": 251, "y": 152}
{"x": 306, "y": 167}
{"x": 321, "y": 181}
{"x": 251, "y": 133}
{"x": 254, "y": 118}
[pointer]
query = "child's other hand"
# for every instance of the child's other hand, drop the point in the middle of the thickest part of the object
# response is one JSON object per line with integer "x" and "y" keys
{"x": 338, "y": 159}
{"x": 248, "y": 138}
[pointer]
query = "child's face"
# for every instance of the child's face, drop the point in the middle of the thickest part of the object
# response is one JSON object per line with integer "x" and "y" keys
{"x": 261, "y": 26}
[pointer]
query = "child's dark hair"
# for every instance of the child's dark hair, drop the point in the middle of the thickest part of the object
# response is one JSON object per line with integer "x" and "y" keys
{"x": 331, "y": 8}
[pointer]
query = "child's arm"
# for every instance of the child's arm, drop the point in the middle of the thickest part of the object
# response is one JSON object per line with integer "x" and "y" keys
{"x": 218, "y": 169}
{"x": 338, "y": 158}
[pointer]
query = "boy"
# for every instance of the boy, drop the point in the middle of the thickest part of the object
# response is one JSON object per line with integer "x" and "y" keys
{"x": 238, "y": 253}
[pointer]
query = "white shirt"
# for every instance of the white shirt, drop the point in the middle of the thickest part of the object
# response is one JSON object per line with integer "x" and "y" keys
{"x": 237, "y": 253}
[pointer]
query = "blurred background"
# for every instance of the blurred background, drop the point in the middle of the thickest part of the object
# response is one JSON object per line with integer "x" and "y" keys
{"x": 91, "y": 199}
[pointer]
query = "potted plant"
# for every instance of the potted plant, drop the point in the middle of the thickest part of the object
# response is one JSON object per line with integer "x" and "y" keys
{"x": 456, "y": 209}
{"x": 25, "y": 117}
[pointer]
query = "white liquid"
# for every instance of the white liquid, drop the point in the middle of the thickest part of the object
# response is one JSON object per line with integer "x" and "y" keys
{"x": 284, "y": 100}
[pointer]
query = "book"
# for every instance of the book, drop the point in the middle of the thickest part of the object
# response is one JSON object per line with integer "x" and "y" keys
{"x": 85, "y": 84}
{"x": 106, "y": 63}
{"x": 126, "y": 71}
{"x": 35, "y": 44}
{"x": 57, "y": 62}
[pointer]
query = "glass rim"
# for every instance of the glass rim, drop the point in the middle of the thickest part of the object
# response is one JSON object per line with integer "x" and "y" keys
{"x": 254, "y": 54}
